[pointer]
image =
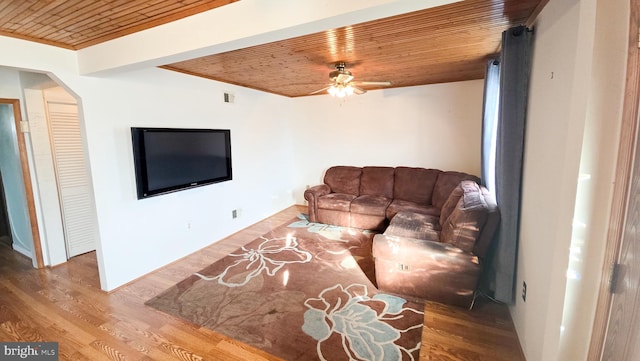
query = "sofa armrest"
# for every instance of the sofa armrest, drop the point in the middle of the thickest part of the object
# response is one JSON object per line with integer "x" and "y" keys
{"x": 425, "y": 269}
{"x": 311, "y": 195}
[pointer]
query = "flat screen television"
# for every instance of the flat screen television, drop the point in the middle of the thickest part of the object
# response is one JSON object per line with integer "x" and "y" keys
{"x": 170, "y": 159}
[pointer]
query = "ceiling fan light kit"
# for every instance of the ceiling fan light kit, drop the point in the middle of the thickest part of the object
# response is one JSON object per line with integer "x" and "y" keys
{"x": 341, "y": 90}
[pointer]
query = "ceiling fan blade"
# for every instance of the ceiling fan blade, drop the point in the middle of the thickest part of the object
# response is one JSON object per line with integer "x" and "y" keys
{"x": 358, "y": 90}
{"x": 320, "y": 90}
{"x": 372, "y": 83}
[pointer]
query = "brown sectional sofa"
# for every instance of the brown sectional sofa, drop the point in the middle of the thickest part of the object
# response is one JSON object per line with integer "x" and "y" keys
{"x": 437, "y": 225}
{"x": 369, "y": 197}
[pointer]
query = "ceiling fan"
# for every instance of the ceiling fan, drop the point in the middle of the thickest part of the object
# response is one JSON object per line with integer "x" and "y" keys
{"x": 342, "y": 83}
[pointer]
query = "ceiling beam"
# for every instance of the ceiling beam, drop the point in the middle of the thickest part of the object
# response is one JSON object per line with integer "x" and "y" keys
{"x": 235, "y": 26}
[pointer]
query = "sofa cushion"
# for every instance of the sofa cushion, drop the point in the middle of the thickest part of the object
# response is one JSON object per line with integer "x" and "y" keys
{"x": 446, "y": 183}
{"x": 377, "y": 181}
{"x": 462, "y": 228}
{"x": 398, "y": 205}
{"x": 414, "y": 184}
{"x": 414, "y": 225}
{"x": 336, "y": 201}
{"x": 370, "y": 205}
{"x": 454, "y": 197}
{"x": 343, "y": 179}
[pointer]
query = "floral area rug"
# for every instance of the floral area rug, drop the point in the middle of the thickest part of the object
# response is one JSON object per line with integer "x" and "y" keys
{"x": 304, "y": 291}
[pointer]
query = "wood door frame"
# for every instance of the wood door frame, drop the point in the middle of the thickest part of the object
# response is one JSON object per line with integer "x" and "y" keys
{"x": 624, "y": 169}
{"x": 26, "y": 176}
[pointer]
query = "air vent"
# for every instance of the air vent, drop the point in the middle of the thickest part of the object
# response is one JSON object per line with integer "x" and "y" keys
{"x": 228, "y": 97}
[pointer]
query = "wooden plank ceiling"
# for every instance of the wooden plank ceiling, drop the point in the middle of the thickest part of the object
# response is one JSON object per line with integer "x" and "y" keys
{"x": 442, "y": 44}
{"x": 77, "y": 24}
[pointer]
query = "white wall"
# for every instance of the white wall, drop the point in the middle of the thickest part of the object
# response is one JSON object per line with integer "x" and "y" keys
{"x": 433, "y": 126}
{"x": 146, "y": 234}
{"x": 572, "y": 128}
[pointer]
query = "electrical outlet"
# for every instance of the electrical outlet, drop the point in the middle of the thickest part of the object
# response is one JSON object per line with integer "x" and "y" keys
{"x": 524, "y": 291}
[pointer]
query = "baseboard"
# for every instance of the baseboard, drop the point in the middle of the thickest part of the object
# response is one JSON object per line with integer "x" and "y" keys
{"x": 16, "y": 247}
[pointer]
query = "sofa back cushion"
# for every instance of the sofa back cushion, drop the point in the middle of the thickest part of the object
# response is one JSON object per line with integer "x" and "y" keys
{"x": 446, "y": 183}
{"x": 463, "y": 226}
{"x": 343, "y": 179}
{"x": 377, "y": 181}
{"x": 452, "y": 202}
{"x": 414, "y": 184}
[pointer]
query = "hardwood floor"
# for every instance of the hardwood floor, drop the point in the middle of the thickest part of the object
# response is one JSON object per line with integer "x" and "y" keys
{"x": 65, "y": 304}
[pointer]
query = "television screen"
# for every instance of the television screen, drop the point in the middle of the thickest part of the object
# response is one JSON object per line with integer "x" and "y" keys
{"x": 168, "y": 160}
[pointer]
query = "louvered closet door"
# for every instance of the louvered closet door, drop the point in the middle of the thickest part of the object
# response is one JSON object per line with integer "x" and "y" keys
{"x": 76, "y": 201}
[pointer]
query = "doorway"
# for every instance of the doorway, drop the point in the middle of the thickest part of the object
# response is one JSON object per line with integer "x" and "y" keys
{"x": 19, "y": 201}
{"x": 65, "y": 208}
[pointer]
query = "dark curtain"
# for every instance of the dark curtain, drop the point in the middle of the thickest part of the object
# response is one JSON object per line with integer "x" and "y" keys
{"x": 509, "y": 149}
